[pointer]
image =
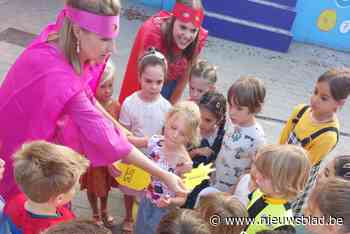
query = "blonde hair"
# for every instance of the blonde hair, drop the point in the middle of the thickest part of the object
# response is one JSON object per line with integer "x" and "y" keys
{"x": 183, "y": 221}
{"x": 43, "y": 170}
{"x": 223, "y": 205}
{"x": 67, "y": 39}
{"x": 286, "y": 165}
{"x": 108, "y": 73}
{"x": 191, "y": 112}
{"x": 247, "y": 91}
{"x": 204, "y": 70}
{"x": 332, "y": 199}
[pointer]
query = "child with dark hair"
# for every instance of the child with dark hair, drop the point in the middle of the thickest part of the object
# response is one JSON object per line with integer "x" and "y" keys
{"x": 183, "y": 221}
{"x": 338, "y": 167}
{"x": 316, "y": 127}
{"x": 212, "y": 106}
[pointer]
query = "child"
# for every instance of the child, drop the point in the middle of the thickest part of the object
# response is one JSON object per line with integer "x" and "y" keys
{"x": 339, "y": 166}
{"x": 97, "y": 180}
{"x": 212, "y": 106}
{"x": 77, "y": 227}
{"x": 243, "y": 134}
{"x": 316, "y": 127}
{"x": 48, "y": 175}
{"x": 143, "y": 112}
{"x": 183, "y": 221}
{"x": 203, "y": 78}
{"x": 223, "y": 206}
{"x": 281, "y": 173}
{"x": 169, "y": 152}
{"x": 5, "y": 226}
{"x": 329, "y": 201}
{"x": 179, "y": 36}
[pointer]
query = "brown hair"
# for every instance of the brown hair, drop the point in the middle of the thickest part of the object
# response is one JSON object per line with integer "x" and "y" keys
{"x": 215, "y": 103}
{"x": 44, "y": 170}
{"x": 222, "y": 205}
{"x": 67, "y": 39}
{"x": 188, "y": 52}
{"x": 183, "y": 221}
{"x": 191, "y": 111}
{"x": 332, "y": 199}
{"x": 338, "y": 80}
{"x": 77, "y": 227}
{"x": 152, "y": 58}
{"x": 247, "y": 91}
{"x": 286, "y": 165}
{"x": 204, "y": 70}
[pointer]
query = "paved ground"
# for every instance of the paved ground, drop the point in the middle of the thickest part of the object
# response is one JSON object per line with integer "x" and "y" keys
{"x": 289, "y": 78}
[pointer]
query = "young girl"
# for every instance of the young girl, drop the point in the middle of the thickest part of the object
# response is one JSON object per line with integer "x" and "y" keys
{"x": 281, "y": 173}
{"x": 179, "y": 36}
{"x": 330, "y": 202}
{"x": 224, "y": 206}
{"x": 169, "y": 152}
{"x": 183, "y": 221}
{"x": 316, "y": 127}
{"x": 143, "y": 112}
{"x": 203, "y": 78}
{"x": 97, "y": 180}
{"x": 212, "y": 106}
{"x": 338, "y": 167}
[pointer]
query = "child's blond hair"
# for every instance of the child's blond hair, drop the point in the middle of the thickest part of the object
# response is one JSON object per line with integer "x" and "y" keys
{"x": 287, "y": 166}
{"x": 108, "y": 73}
{"x": 223, "y": 205}
{"x": 192, "y": 114}
{"x": 77, "y": 227}
{"x": 183, "y": 221}
{"x": 247, "y": 91}
{"x": 204, "y": 70}
{"x": 44, "y": 170}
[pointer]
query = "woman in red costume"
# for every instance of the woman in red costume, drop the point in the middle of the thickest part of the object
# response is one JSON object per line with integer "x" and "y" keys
{"x": 179, "y": 36}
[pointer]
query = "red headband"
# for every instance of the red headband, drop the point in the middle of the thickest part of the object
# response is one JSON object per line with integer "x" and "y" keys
{"x": 188, "y": 14}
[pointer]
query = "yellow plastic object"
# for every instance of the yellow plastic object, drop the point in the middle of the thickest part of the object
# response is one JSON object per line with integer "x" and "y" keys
{"x": 197, "y": 175}
{"x": 132, "y": 177}
{"x": 327, "y": 20}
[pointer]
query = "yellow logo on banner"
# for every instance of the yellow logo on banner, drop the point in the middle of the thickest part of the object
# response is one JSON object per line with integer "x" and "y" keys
{"x": 132, "y": 177}
{"x": 197, "y": 175}
{"x": 327, "y": 20}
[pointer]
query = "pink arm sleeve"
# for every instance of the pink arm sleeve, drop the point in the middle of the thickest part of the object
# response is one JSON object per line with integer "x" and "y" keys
{"x": 102, "y": 143}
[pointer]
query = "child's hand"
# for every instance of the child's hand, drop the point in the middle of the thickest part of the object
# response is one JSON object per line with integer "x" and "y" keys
{"x": 184, "y": 167}
{"x": 113, "y": 171}
{"x": 204, "y": 151}
{"x": 164, "y": 201}
{"x": 2, "y": 168}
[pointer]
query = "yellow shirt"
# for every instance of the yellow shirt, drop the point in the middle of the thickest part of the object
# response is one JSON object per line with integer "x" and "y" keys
{"x": 320, "y": 146}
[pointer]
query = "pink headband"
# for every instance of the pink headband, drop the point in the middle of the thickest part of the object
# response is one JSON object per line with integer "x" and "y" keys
{"x": 105, "y": 26}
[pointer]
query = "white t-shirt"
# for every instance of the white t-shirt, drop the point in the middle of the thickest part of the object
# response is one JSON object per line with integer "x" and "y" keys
{"x": 242, "y": 189}
{"x": 144, "y": 118}
{"x": 238, "y": 147}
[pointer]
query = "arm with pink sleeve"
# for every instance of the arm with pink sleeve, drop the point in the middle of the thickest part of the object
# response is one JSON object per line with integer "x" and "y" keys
{"x": 101, "y": 142}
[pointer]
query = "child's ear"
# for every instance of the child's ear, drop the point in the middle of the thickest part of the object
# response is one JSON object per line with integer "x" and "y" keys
{"x": 58, "y": 200}
{"x": 341, "y": 102}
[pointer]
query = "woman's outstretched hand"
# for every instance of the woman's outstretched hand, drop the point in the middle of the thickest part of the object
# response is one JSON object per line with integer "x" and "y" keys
{"x": 175, "y": 184}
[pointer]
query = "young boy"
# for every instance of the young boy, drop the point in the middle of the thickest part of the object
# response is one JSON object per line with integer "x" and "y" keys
{"x": 48, "y": 175}
{"x": 78, "y": 227}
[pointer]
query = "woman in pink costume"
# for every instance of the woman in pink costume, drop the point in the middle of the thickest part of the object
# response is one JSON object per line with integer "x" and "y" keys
{"x": 50, "y": 83}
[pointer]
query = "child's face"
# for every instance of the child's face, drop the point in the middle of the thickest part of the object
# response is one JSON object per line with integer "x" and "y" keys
{"x": 175, "y": 132}
{"x": 208, "y": 122}
{"x": 321, "y": 101}
{"x": 327, "y": 172}
{"x": 105, "y": 91}
{"x": 198, "y": 87}
{"x": 184, "y": 33}
{"x": 151, "y": 81}
{"x": 264, "y": 184}
{"x": 240, "y": 115}
{"x": 2, "y": 168}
